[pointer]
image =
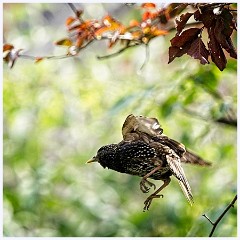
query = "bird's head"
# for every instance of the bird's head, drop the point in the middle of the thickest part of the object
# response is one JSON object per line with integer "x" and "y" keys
{"x": 105, "y": 155}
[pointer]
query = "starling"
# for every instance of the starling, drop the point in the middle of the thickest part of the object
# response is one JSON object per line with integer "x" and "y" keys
{"x": 147, "y": 153}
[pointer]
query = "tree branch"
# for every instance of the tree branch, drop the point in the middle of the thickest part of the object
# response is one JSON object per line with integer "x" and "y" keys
{"x": 214, "y": 224}
{"x": 116, "y": 53}
{"x": 76, "y": 12}
{"x": 147, "y": 55}
{"x": 231, "y": 122}
{"x": 224, "y": 120}
{"x": 71, "y": 5}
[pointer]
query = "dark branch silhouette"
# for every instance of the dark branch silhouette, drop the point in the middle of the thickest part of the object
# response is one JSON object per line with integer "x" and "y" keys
{"x": 214, "y": 224}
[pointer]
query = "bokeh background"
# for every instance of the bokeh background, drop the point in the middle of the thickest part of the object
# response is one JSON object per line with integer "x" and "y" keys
{"x": 58, "y": 113}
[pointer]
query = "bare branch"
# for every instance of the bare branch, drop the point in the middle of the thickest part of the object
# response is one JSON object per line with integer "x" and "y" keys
{"x": 147, "y": 54}
{"x": 71, "y": 5}
{"x": 204, "y": 215}
{"x": 231, "y": 122}
{"x": 214, "y": 224}
{"x": 118, "y": 52}
{"x": 228, "y": 121}
{"x": 76, "y": 12}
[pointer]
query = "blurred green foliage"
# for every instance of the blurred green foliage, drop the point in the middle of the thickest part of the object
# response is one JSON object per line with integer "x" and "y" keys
{"x": 58, "y": 113}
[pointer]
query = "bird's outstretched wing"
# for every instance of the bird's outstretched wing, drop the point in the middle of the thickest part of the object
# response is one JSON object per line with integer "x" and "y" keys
{"x": 141, "y": 124}
{"x": 151, "y": 127}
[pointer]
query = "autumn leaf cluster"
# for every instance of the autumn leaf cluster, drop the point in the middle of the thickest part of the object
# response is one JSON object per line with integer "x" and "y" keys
{"x": 192, "y": 20}
{"x": 219, "y": 23}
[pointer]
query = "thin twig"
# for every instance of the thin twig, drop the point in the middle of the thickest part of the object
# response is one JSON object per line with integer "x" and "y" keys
{"x": 44, "y": 57}
{"x": 146, "y": 57}
{"x": 230, "y": 122}
{"x": 76, "y": 12}
{"x": 116, "y": 53}
{"x": 54, "y": 57}
{"x": 71, "y": 5}
{"x": 214, "y": 224}
{"x": 204, "y": 215}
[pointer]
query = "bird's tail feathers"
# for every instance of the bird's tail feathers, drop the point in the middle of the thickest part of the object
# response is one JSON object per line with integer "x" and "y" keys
{"x": 186, "y": 190}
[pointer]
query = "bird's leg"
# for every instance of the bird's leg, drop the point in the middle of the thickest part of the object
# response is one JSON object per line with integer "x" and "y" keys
{"x": 144, "y": 180}
{"x": 148, "y": 201}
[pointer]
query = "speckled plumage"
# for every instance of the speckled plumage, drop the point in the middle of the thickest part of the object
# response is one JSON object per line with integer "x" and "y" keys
{"x": 135, "y": 158}
{"x": 146, "y": 160}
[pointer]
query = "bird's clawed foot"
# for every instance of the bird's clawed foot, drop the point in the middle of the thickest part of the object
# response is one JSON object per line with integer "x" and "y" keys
{"x": 143, "y": 185}
{"x": 148, "y": 201}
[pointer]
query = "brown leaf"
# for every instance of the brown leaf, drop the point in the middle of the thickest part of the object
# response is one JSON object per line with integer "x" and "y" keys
{"x": 228, "y": 22}
{"x": 223, "y": 39}
{"x": 38, "y": 59}
{"x": 199, "y": 51}
{"x": 207, "y": 17}
{"x": 216, "y": 51}
{"x": 232, "y": 51}
{"x": 64, "y": 42}
{"x": 79, "y": 13}
{"x": 182, "y": 22}
{"x": 7, "y": 47}
{"x": 11, "y": 57}
{"x": 155, "y": 31}
{"x": 178, "y": 51}
{"x": 186, "y": 36}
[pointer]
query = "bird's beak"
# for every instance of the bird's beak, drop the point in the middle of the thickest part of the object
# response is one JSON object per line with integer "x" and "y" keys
{"x": 94, "y": 159}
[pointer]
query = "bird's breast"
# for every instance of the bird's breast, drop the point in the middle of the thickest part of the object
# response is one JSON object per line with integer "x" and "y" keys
{"x": 141, "y": 168}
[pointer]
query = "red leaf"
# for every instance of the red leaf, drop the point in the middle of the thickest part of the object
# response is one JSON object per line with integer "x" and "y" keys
{"x": 70, "y": 20}
{"x": 148, "y": 5}
{"x": 199, "y": 51}
{"x": 184, "y": 37}
{"x": 182, "y": 22}
{"x": 38, "y": 59}
{"x": 216, "y": 51}
{"x": 146, "y": 15}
